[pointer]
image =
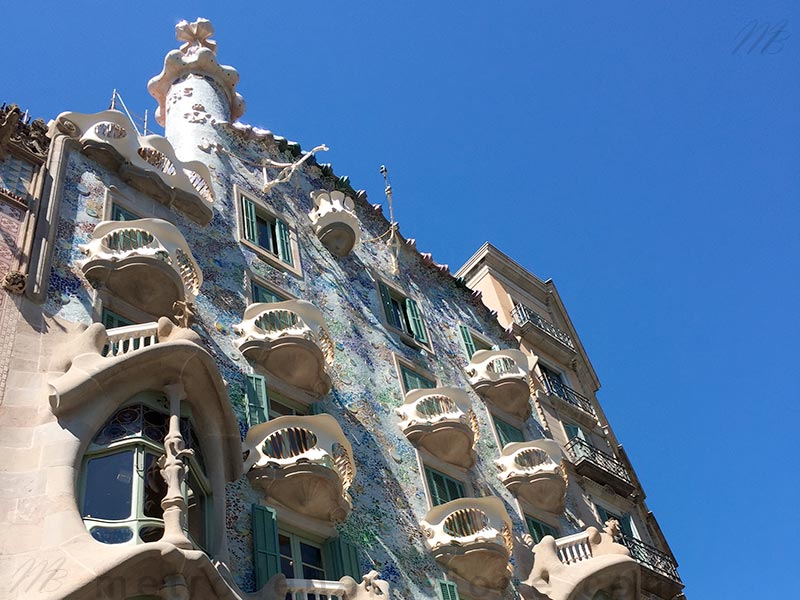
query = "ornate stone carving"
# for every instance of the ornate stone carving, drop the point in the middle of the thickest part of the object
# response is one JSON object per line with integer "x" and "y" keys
{"x": 8, "y": 127}
{"x": 14, "y": 282}
{"x": 14, "y": 129}
{"x": 184, "y": 313}
{"x": 195, "y": 34}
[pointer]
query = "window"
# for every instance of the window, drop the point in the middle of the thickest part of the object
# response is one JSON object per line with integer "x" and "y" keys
{"x": 16, "y": 175}
{"x": 443, "y": 488}
{"x": 122, "y": 214}
{"x": 507, "y": 433}
{"x": 261, "y": 293}
{"x": 112, "y": 320}
{"x": 574, "y": 431}
{"x": 412, "y": 380}
{"x": 403, "y": 314}
{"x": 446, "y": 590}
{"x": 278, "y": 551}
{"x": 625, "y": 521}
{"x": 262, "y": 406}
{"x": 471, "y": 342}
{"x": 538, "y": 529}
{"x": 122, "y": 487}
{"x": 265, "y": 231}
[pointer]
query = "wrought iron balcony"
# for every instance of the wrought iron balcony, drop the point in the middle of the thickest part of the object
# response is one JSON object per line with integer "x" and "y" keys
{"x": 304, "y": 463}
{"x": 589, "y": 561}
{"x": 554, "y": 387}
{"x": 523, "y": 315}
{"x": 532, "y": 471}
{"x": 146, "y": 262}
{"x": 441, "y": 420}
{"x": 290, "y": 339}
{"x": 599, "y": 466}
{"x": 471, "y": 537}
{"x": 660, "y": 573}
{"x": 501, "y": 377}
{"x": 335, "y": 222}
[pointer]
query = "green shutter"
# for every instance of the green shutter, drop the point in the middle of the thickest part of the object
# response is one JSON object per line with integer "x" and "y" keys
{"x": 507, "y": 433}
{"x": 443, "y": 488}
{"x": 342, "y": 559}
{"x": 446, "y": 590}
{"x": 249, "y": 226}
{"x": 257, "y": 400}
{"x": 120, "y": 214}
{"x": 284, "y": 246}
{"x": 265, "y": 544}
{"x": 415, "y": 320}
{"x": 467, "y": 341}
{"x": 388, "y": 309}
{"x": 538, "y": 530}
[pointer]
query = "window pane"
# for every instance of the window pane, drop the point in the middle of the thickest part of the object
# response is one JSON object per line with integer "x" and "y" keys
{"x": 120, "y": 214}
{"x": 279, "y": 409}
{"x": 266, "y": 234}
{"x": 108, "y": 486}
{"x": 413, "y": 380}
{"x": 197, "y": 501}
{"x": 454, "y": 490}
{"x": 155, "y": 488}
{"x": 262, "y": 294}
{"x": 311, "y": 555}
{"x": 508, "y": 433}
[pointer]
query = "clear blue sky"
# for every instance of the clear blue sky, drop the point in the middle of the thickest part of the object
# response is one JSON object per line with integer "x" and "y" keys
{"x": 625, "y": 149}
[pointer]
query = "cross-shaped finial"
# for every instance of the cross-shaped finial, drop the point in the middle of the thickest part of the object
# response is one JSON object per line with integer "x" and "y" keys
{"x": 196, "y": 34}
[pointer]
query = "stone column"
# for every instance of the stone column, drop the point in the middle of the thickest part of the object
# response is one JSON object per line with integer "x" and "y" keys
{"x": 173, "y": 470}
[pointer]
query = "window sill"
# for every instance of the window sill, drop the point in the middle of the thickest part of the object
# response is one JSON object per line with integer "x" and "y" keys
{"x": 270, "y": 258}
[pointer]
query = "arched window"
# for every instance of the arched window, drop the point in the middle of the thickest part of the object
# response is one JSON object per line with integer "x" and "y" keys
{"x": 122, "y": 486}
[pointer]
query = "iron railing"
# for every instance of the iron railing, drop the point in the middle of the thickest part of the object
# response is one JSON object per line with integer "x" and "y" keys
{"x": 580, "y": 449}
{"x": 522, "y": 314}
{"x": 651, "y": 558}
{"x": 557, "y": 388}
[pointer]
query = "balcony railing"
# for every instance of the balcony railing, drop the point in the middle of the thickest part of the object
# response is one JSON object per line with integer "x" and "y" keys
{"x": 344, "y": 589}
{"x": 532, "y": 471}
{"x": 303, "y": 462}
{"x": 581, "y": 450}
{"x": 471, "y": 537}
{"x": 335, "y": 221}
{"x": 555, "y": 387}
{"x": 501, "y": 377}
{"x": 651, "y": 558}
{"x": 122, "y": 340}
{"x": 291, "y": 340}
{"x": 131, "y": 258}
{"x": 522, "y": 315}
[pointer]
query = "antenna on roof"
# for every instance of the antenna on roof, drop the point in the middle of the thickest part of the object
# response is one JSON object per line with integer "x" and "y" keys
{"x": 117, "y": 97}
{"x": 393, "y": 241}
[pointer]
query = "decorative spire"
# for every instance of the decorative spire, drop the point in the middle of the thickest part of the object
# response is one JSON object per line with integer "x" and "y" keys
{"x": 195, "y": 35}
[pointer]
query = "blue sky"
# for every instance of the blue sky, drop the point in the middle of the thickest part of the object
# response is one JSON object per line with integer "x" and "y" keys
{"x": 628, "y": 150}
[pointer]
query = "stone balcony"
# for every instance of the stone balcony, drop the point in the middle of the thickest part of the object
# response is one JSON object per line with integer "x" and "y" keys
{"x": 589, "y": 564}
{"x": 532, "y": 471}
{"x": 501, "y": 377}
{"x": 335, "y": 222}
{"x": 147, "y": 162}
{"x": 303, "y": 463}
{"x": 441, "y": 421}
{"x": 145, "y": 262}
{"x": 290, "y": 340}
{"x": 347, "y": 588}
{"x": 599, "y": 466}
{"x": 471, "y": 537}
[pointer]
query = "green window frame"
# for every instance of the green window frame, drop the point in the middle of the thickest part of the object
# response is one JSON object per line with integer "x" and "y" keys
{"x": 412, "y": 380}
{"x": 258, "y": 405}
{"x": 443, "y": 488}
{"x": 507, "y": 433}
{"x": 446, "y": 590}
{"x": 262, "y": 293}
{"x": 341, "y": 559}
{"x": 403, "y": 313}
{"x": 538, "y": 530}
{"x": 266, "y": 231}
{"x": 472, "y": 343}
{"x": 112, "y": 320}
{"x": 266, "y": 553}
{"x": 119, "y": 213}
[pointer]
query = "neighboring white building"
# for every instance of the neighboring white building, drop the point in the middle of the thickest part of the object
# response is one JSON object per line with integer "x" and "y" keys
{"x": 225, "y": 374}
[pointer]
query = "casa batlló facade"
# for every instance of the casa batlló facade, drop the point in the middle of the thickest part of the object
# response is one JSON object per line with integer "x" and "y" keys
{"x": 226, "y": 374}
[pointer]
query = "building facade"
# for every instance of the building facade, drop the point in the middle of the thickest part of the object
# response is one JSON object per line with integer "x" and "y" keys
{"x": 226, "y": 374}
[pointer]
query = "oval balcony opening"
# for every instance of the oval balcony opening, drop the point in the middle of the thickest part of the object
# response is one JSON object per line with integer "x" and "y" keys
{"x": 288, "y": 443}
{"x": 466, "y": 522}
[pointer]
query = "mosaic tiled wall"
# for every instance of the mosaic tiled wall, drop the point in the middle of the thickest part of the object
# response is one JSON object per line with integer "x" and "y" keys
{"x": 388, "y": 493}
